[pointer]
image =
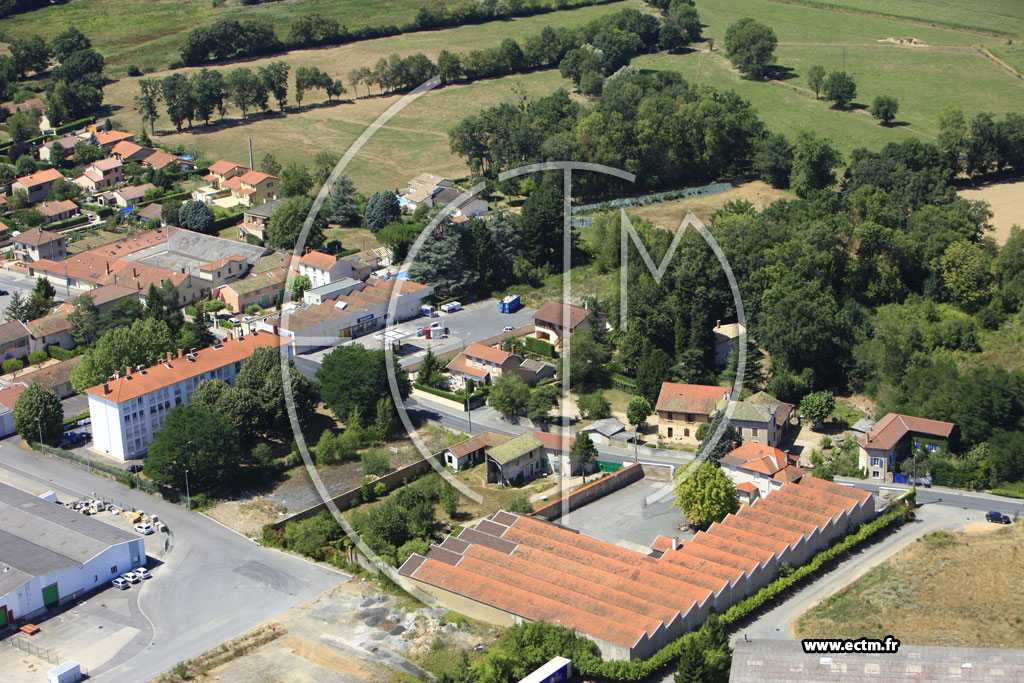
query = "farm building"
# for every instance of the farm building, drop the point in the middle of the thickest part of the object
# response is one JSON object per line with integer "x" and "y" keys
{"x": 514, "y": 568}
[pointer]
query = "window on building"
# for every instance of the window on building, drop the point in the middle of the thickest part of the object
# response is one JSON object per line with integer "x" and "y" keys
{"x": 113, "y": 570}
{"x": 875, "y": 474}
{"x": 753, "y": 432}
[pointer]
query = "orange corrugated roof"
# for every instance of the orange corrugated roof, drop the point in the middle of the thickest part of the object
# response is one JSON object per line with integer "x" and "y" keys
{"x": 748, "y": 538}
{"x": 662, "y": 543}
{"x": 459, "y": 364}
{"x": 222, "y": 167}
{"x": 255, "y": 177}
{"x": 835, "y": 489}
{"x": 702, "y": 564}
{"x": 759, "y": 555}
{"x": 160, "y": 375}
{"x": 746, "y": 487}
{"x": 105, "y": 137}
{"x": 784, "y": 535}
{"x": 487, "y": 353}
{"x": 487, "y": 439}
{"x": 318, "y": 259}
{"x": 894, "y": 426}
{"x": 39, "y": 177}
{"x": 760, "y": 514}
{"x": 811, "y": 501}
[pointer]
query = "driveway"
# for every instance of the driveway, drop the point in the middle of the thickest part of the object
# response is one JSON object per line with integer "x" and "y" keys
{"x": 214, "y": 584}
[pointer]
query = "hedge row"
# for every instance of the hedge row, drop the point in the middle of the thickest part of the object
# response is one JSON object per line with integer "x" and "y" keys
{"x": 126, "y": 478}
{"x": 69, "y": 223}
{"x": 74, "y": 125}
{"x": 60, "y": 353}
{"x": 639, "y": 669}
{"x": 539, "y": 346}
{"x": 167, "y": 197}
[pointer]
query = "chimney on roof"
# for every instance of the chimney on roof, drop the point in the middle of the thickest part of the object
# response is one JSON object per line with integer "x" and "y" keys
{"x": 168, "y": 356}
{"x": 128, "y": 371}
{"x": 117, "y": 374}
{"x": 106, "y": 387}
{"x": 107, "y": 270}
{"x": 181, "y": 352}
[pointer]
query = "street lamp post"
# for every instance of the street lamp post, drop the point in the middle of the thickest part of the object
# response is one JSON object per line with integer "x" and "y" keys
{"x": 39, "y": 422}
{"x": 188, "y": 496}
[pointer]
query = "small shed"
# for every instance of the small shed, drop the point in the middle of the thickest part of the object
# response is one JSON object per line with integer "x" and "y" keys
{"x": 68, "y": 672}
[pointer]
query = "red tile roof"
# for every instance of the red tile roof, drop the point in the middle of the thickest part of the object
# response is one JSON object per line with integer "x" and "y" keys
{"x": 487, "y": 439}
{"x": 105, "y": 137}
{"x": 746, "y": 487}
{"x": 487, "y": 353}
{"x": 9, "y": 393}
{"x": 460, "y": 365}
{"x": 663, "y": 543}
{"x": 49, "y": 209}
{"x": 40, "y": 177}
{"x": 37, "y": 236}
{"x": 255, "y": 177}
{"x": 318, "y": 259}
{"x": 555, "y": 442}
{"x": 700, "y": 399}
{"x": 222, "y": 167}
{"x": 179, "y": 368}
{"x": 893, "y": 427}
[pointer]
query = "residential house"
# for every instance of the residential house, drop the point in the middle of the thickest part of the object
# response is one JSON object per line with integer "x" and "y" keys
{"x": 263, "y": 286}
{"x": 101, "y": 174}
{"x": 37, "y": 243}
{"x": 55, "y": 376}
{"x": 161, "y": 160}
{"x": 54, "y": 212}
{"x": 127, "y": 151}
{"x": 255, "y": 219}
{"x": 220, "y": 172}
{"x": 9, "y": 393}
{"x": 471, "y": 451}
{"x": 37, "y": 185}
{"x": 332, "y": 291}
{"x": 550, "y": 320}
{"x": 57, "y": 150}
{"x": 253, "y": 188}
{"x": 765, "y": 467}
{"x": 15, "y": 340}
{"x": 131, "y": 195}
{"x": 517, "y": 459}
{"x": 726, "y": 337}
{"x": 24, "y": 107}
{"x": 106, "y": 139}
{"x": 482, "y": 364}
{"x": 105, "y": 298}
{"x": 555, "y": 450}
{"x": 466, "y": 205}
{"x": 783, "y": 410}
{"x": 682, "y": 408}
{"x": 421, "y": 191}
{"x": 755, "y": 422}
{"x": 151, "y": 212}
{"x": 51, "y": 330}
{"x": 895, "y": 437}
{"x": 323, "y": 269}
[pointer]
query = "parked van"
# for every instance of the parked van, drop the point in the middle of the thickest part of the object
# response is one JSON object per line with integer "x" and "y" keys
{"x": 451, "y": 307}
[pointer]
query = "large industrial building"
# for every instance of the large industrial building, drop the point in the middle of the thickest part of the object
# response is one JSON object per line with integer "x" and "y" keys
{"x": 50, "y": 554}
{"x": 516, "y": 568}
{"x": 130, "y": 408}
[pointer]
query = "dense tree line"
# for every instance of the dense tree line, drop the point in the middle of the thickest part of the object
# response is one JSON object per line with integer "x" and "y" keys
{"x": 668, "y": 132}
{"x": 228, "y": 38}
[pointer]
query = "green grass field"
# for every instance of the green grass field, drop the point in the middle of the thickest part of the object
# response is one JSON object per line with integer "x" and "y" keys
{"x": 149, "y": 33}
{"x": 999, "y": 16}
{"x": 1011, "y": 54}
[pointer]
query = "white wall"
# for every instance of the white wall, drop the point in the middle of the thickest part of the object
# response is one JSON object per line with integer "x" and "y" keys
{"x": 27, "y": 599}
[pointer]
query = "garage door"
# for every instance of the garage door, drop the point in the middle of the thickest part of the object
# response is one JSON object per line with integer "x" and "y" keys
{"x": 50, "y": 595}
{"x": 3, "y": 616}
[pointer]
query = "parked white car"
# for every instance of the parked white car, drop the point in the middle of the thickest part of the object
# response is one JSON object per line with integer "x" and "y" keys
{"x": 131, "y": 577}
{"x": 451, "y": 307}
{"x": 144, "y": 529}
{"x": 143, "y": 573}
{"x": 120, "y": 584}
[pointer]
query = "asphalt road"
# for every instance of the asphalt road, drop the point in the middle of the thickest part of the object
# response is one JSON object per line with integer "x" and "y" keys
{"x": 214, "y": 584}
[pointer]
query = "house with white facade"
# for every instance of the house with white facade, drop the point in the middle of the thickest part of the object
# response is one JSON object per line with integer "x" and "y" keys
{"x": 482, "y": 364}
{"x": 765, "y": 467}
{"x": 896, "y": 437}
{"x": 129, "y": 408}
{"x": 51, "y": 555}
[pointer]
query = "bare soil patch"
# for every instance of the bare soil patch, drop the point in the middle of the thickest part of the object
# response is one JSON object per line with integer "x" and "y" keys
{"x": 914, "y": 42}
{"x": 1007, "y": 202}
{"x": 910, "y": 596}
{"x": 670, "y": 214}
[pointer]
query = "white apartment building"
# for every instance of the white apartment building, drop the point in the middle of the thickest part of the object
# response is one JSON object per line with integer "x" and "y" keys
{"x": 130, "y": 408}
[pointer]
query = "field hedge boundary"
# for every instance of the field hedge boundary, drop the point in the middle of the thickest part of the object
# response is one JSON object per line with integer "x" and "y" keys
{"x": 539, "y": 346}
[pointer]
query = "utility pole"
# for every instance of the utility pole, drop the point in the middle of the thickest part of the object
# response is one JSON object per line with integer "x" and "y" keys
{"x": 844, "y": 63}
{"x": 251, "y": 167}
{"x": 188, "y": 496}
{"x": 39, "y": 422}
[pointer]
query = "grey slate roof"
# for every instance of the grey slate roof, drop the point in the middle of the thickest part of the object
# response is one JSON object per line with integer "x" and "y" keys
{"x": 266, "y": 208}
{"x": 38, "y": 537}
{"x": 188, "y": 249}
{"x": 608, "y": 426}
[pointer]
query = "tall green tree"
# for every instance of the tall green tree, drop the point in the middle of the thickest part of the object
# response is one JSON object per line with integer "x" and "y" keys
{"x": 199, "y": 441}
{"x": 542, "y": 224}
{"x": 274, "y": 77}
{"x": 705, "y": 496}
{"x": 141, "y": 343}
{"x": 245, "y": 90}
{"x": 884, "y": 108}
{"x": 510, "y": 395}
{"x": 36, "y": 410}
{"x": 818, "y": 406}
{"x": 750, "y": 46}
{"x": 840, "y": 88}
{"x": 296, "y": 180}
{"x": 261, "y": 376}
{"x": 355, "y": 378}
{"x": 773, "y": 160}
{"x": 208, "y": 93}
{"x": 816, "y": 78}
{"x": 814, "y": 163}
{"x": 583, "y": 453}
{"x": 381, "y": 209}
{"x": 541, "y": 401}
{"x": 270, "y": 164}
{"x": 343, "y": 205}
{"x": 286, "y": 224}
{"x": 179, "y": 98}
{"x": 150, "y": 93}
{"x": 84, "y": 320}
{"x": 654, "y": 369}
{"x": 68, "y": 41}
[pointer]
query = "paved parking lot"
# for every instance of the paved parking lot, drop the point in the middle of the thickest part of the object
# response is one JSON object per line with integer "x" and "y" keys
{"x": 622, "y": 518}
{"x": 473, "y": 323}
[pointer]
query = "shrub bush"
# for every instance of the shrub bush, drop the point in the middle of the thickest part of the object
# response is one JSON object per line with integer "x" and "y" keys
{"x": 60, "y": 354}
{"x": 12, "y": 365}
{"x": 134, "y": 71}
{"x": 540, "y": 347}
{"x": 37, "y": 357}
{"x": 214, "y": 305}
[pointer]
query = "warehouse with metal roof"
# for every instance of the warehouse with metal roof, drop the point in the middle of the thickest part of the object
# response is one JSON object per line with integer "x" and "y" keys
{"x": 515, "y": 568}
{"x": 50, "y": 554}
